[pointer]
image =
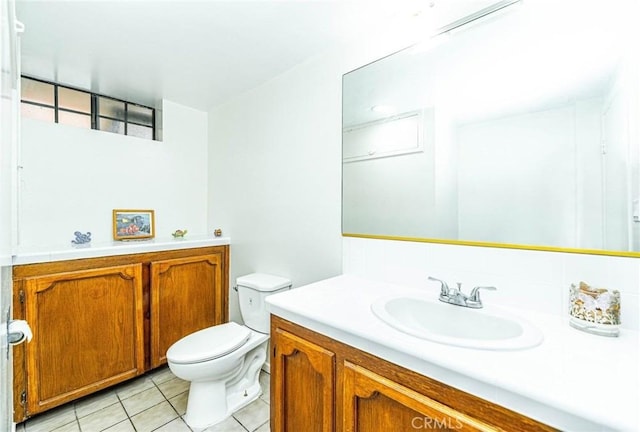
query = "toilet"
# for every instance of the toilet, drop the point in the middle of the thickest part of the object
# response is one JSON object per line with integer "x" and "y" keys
{"x": 223, "y": 362}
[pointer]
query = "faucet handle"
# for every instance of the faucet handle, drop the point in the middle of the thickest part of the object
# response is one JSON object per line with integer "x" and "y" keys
{"x": 475, "y": 292}
{"x": 444, "y": 288}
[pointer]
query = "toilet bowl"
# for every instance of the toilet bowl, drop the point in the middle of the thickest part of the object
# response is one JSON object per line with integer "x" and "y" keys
{"x": 223, "y": 362}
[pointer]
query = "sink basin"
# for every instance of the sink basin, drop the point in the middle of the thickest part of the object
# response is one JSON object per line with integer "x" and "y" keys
{"x": 486, "y": 328}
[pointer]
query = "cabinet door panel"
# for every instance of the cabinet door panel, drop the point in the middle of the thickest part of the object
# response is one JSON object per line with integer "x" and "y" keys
{"x": 374, "y": 403}
{"x": 87, "y": 329}
{"x": 303, "y": 385}
{"x": 186, "y": 296}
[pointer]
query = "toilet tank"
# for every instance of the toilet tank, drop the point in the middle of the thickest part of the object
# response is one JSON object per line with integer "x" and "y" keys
{"x": 252, "y": 290}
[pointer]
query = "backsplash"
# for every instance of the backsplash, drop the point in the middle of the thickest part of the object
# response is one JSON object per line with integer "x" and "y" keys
{"x": 534, "y": 280}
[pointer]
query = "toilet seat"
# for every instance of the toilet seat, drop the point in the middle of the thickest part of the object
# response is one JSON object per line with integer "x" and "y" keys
{"x": 208, "y": 344}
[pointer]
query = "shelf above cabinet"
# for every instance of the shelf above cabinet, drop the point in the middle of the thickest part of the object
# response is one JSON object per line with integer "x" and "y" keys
{"x": 68, "y": 252}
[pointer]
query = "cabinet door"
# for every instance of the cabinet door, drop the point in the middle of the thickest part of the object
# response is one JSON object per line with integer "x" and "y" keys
{"x": 373, "y": 403}
{"x": 87, "y": 333}
{"x": 186, "y": 296}
{"x": 302, "y": 383}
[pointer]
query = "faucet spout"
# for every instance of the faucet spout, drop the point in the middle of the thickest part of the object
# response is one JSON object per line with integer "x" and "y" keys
{"x": 456, "y": 297}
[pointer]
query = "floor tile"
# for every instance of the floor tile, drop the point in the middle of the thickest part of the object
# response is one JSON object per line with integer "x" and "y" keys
{"x": 265, "y": 384}
{"x": 50, "y": 420}
{"x": 179, "y": 402}
{"x": 142, "y": 401}
{"x": 253, "y": 415}
{"x": 133, "y": 387}
{"x": 154, "y": 417}
{"x": 70, "y": 427}
{"x": 173, "y": 387}
{"x": 177, "y": 425}
{"x": 123, "y": 426}
{"x": 229, "y": 425}
{"x": 96, "y": 402}
{"x": 264, "y": 428}
{"x": 154, "y": 402}
{"x": 104, "y": 418}
{"x": 161, "y": 375}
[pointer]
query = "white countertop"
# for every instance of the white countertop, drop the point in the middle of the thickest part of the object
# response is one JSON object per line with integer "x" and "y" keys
{"x": 70, "y": 251}
{"x": 573, "y": 381}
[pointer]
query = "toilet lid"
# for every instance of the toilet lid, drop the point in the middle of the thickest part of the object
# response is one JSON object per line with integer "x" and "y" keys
{"x": 209, "y": 343}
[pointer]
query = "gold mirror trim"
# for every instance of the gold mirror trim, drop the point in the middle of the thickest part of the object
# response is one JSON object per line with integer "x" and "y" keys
{"x": 498, "y": 245}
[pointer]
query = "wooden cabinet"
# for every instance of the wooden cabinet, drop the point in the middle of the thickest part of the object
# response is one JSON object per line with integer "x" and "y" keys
{"x": 101, "y": 321}
{"x": 374, "y": 403}
{"x": 368, "y": 394}
{"x": 305, "y": 387}
{"x": 65, "y": 360}
{"x": 185, "y": 297}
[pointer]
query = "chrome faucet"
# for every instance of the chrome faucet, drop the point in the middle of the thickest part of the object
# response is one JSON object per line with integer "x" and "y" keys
{"x": 456, "y": 297}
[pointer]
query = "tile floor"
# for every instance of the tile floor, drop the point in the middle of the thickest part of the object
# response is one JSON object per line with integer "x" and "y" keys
{"x": 154, "y": 402}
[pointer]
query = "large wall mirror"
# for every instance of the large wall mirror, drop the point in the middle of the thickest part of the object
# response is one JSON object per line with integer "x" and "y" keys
{"x": 518, "y": 129}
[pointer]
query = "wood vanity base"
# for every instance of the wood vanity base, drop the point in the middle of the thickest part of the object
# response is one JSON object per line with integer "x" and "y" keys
{"x": 319, "y": 384}
{"x": 100, "y": 321}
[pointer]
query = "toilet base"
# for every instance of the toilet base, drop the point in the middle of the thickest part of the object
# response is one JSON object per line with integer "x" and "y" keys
{"x": 206, "y": 404}
{"x": 200, "y": 417}
{"x": 211, "y": 402}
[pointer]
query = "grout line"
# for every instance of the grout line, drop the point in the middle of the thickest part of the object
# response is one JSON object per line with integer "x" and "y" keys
{"x": 171, "y": 405}
{"x": 240, "y": 423}
{"x": 262, "y": 425}
{"x": 75, "y": 414}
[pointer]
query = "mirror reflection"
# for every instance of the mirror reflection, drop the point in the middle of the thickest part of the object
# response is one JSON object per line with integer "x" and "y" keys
{"x": 514, "y": 129}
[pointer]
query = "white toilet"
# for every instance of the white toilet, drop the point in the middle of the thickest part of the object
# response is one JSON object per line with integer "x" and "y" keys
{"x": 223, "y": 362}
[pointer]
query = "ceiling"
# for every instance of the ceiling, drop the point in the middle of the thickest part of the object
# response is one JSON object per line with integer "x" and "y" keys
{"x": 197, "y": 53}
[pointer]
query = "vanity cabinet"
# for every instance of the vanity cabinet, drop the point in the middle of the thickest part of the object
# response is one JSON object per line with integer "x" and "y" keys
{"x": 305, "y": 384}
{"x": 100, "y": 321}
{"x": 354, "y": 391}
{"x": 373, "y": 402}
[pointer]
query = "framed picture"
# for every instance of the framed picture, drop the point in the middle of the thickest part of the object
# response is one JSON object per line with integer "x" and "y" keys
{"x": 133, "y": 224}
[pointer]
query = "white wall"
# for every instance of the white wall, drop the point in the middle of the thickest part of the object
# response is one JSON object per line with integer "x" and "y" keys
{"x": 617, "y": 172}
{"x": 8, "y": 133}
{"x": 275, "y": 167}
{"x": 532, "y": 280}
{"x": 518, "y": 176}
{"x": 275, "y": 176}
{"x": 446, "y": 176}
{"x": 73, "y": 178}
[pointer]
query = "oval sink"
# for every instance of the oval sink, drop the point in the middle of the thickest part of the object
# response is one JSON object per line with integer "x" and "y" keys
{"x": 486, "y": 328}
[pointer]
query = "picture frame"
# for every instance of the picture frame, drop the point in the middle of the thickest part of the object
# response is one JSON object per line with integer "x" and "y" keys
{"x": 133, "y": 224}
